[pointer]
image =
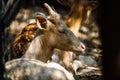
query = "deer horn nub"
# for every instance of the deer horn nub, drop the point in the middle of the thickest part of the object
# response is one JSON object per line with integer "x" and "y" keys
{"x": 54, "y": 16}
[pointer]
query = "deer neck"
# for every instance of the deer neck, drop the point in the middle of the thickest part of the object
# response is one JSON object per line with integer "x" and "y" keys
{"x": 40, "y": 48}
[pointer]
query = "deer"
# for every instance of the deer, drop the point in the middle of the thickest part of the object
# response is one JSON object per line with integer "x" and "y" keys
{"x": 32, "y": 69}
{"x": 52, "y": 28}
{"x": 47, "y": 33}
{"x": 38, "y": 40}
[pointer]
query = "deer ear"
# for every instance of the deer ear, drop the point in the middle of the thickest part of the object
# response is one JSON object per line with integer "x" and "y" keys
{"x": 41, "y": 20}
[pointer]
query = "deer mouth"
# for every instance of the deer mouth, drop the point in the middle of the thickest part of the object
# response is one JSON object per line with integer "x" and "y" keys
{"x": 80, "y": 48}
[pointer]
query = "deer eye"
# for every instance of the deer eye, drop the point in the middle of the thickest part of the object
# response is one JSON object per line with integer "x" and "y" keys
{"x": 61, "y": 30}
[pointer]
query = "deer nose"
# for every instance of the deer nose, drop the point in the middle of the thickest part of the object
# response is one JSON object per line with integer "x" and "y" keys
{"x": 83, "y": 48}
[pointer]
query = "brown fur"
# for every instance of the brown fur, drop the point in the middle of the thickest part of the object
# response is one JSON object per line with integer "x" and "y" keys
{"x": 21, "y": 42}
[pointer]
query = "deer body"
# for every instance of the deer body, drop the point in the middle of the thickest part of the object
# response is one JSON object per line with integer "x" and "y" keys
{"x": 31, "y": 69}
